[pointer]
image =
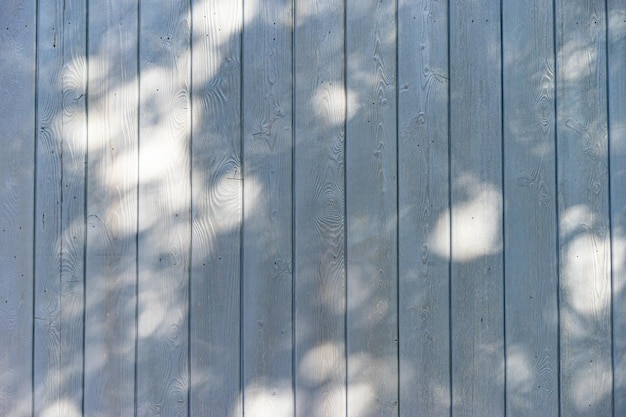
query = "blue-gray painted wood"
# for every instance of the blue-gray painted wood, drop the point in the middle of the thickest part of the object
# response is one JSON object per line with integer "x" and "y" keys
{"x": 423, "y": 202}
{"x": 319, "y": 209}
{"x": 255, "y": 198}
{"x": 267, "y": 278}
{"x": 616, "y": 13}
{"x": 111, "y": 247}
{"x": 530, "y": 222}
{"x": 59, "y": 215}
{"x": 164, "y": 200}
{"x": 476, "y": 244}
{"x": 17, "y": 194}
{"x": 583, "y": 201}
{"x": 216, "y": 185}
{"x": 371, "y": 209}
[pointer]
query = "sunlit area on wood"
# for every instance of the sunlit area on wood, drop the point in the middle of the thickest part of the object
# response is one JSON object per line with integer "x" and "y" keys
{"x": 312, "y": 208}
{"x": 475, "y": 223}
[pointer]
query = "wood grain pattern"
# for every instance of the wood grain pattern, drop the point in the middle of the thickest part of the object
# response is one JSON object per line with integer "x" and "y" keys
{"x": 216, "y": 208}
{"x": 616, "y": 13}
{"x": 73, "y": 217}
{"x": 371, "y": 207}
{"x": 267, "y": 277}
{"x": 476, "y": 210}
{"x": 617, "y": 136}
{"x": 111, "y": 252}
{"x": 17, "y": 118}
{"x": 164, "y": 209}
{"x": 584, "y": 252}
{"x": 60, "y": 231}
{"x": 48, "y": 212}
{"x": 530, "y": 222}
{"x": 319, "y": 209}
{"x": 423, "y": 198}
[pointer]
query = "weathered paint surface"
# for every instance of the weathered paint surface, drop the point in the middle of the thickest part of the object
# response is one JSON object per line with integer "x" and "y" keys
{"x": 313, "y": 208}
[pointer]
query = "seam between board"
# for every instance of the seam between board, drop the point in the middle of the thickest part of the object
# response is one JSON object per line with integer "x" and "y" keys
{"x": 293, "y": 207}
{"x": 345, "y": 202}
{"x": 241, "y": 213}
{"x": 607, "y": 33}
{"x": 555, "y": 42}
{"x": 34, "y": 213}
{"x": 504, "y": 201}
{"x": 137, "y": 191}
{"x": 450, "y": 283}
{"x": 85, "y": 205}
{"x": 190, "y": 209}
{"x": 397, "y": 138}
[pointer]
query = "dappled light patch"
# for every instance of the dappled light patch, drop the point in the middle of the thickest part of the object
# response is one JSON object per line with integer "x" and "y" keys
{"x": 618, "y": 135}
{"x": 360, "y": 293}
{"x": 220, "y": 22}
{"x": 152, "y": 313}
{"x": 363, "y": 397}
{"x": 519, "y": 368}
{"x": 329, "y": 103}
{"x": 123, "y": 250}
{"x": 618, "y": 263}
{"x": 321, "y": 363}
{"x": 575, "y": 219}
{"x": 476, "y": 223}
{"x": 265, "y": 398}
{"x": 585, "y": 258}
{"x": 224, "y": 200}
{"x": 63, "y": 407}
{"x": 576, "y": 57}
{"x": 590, "y": 392}
{"x": 364, "y": 391}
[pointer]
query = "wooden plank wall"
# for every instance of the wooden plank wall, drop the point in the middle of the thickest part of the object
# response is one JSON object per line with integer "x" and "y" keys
{"x": 313, "y": 208}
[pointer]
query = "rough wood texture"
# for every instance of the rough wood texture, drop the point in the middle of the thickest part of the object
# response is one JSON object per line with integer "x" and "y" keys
{"x": 617, "y": 137}
{"x": 371, "y": 190}
{"x": 476, "y": 210}
{"x": 424, "y": 234}
{"x": 164, "y": 209}
{"x": 267, "y": 207}
{"x": 319, "y": 207}
{"x": 111, "y": 252}
{"x": 582, "y": 158}
{"x": 216, "y": 208}
{"x": 49, "y": 199}
{"x": 17, "y": 118}
{"x": 530, "y": 219}
{"x": 60, "y": 217}
{"x": 237, "y": 208}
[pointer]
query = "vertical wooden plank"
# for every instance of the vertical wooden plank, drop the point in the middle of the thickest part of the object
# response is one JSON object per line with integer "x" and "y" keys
{"x": 111, "y": 252}
{"x": 17, "y": 118}
{"x": 530, "y": 220}
{"x": 423, "y": 175}
{"x": 73, "y": 218}
{"x": 60, "y": 216}
{"x": 48, "y": 212}
{"x": 584, "y": 248}
{"x": 267, "y": 208}
{"x": 319, "y": 209}
{"x": 476, "y": 209}
{"x": 371, "y": 208}
{"x": 617, "y": 135}
{"x": 164, "y": 208}
{"x": 216, "y": 208}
